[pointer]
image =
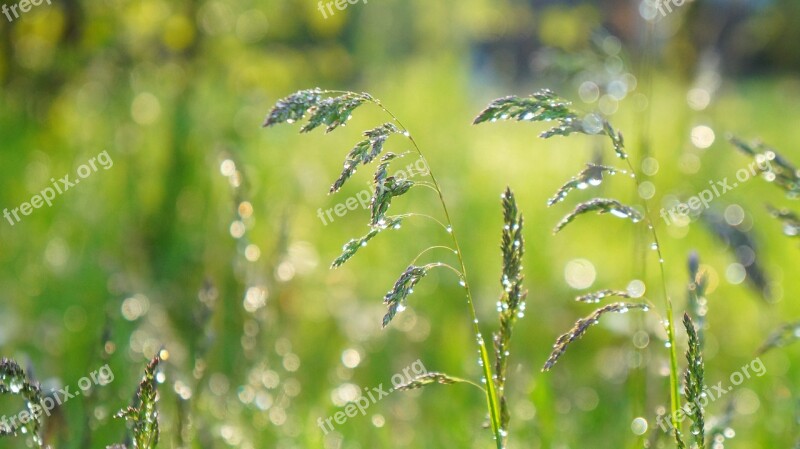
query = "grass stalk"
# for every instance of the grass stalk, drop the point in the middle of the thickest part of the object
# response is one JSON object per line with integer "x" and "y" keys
{"x": 492, "y": 401}
{"x": 673, "y": 355}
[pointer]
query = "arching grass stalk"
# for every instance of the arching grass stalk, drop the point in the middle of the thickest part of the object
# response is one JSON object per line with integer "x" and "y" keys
{"x": 545, "y": 106}
{"x": 674, "y": 385}
{"x": 332, "y": 109}
{"x": 492, "y": 401}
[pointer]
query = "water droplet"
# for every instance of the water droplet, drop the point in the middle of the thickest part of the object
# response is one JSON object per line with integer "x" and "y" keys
{"x": 449, "y": 229}
{"x": 639, "y": 426}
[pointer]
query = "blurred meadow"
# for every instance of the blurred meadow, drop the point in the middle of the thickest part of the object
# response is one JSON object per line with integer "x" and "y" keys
{"x": 204, "y": 236}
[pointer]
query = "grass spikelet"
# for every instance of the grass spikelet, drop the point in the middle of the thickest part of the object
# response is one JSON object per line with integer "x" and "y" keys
{"x": 364, "y": 152}
{"x": 293, "y": 107}
{"x": 542, "y": 106}
{"x": 601, "y": 206}
{"x": 395, "y": 299}
{"x": 694, "y": 383}
{"x": 386, "y": 188}
{"x": 592, "y": 175}
{"x": 423, "y": 380}
{"x": 144, "y": 412}
{"x": 744, "y": 247}
{"x": 583, "y": 325}
{"x": 511, "y": 305}
{"x": 545, "y": 106}
{"x": 773, "y": 167}
{"x": 350, "y": 248}
{"x": 784, "y": 335}
{"x": 698, "y": 281}
{"x": 13, "y": 380}
{"x": 790, "y": 220}
{"x": 331, "y": 111}
{"x": 595, "y": 297}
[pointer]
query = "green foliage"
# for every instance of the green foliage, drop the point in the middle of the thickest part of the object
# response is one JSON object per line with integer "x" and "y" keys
{"x": 13, "y": 380}
{"x": 693, "y": 383}
{"x": 333, "y": 111}
{"x": 143, "y": 413}
{"x": 545, "y": 106}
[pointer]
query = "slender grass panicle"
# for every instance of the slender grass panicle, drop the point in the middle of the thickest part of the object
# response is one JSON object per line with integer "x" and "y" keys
{"x": 693, "y": 383}
{"x": 776, "y": 170}
{"x": 423, "y": 380}
{"x": 333, "y": 109}
{"x": 583, "y": 325}
{"x": 592, "y": 175}
{"x": 742, "y": 243}
{"x": 773, "y": 167}
{"x": 601, "y": 206}
{"x": 13, "y": 380}
{"x": 144, "y": 411}
{"x": 783, "y": 336}
{"x": 545, "y": 106}
{"x": 511, "y": 305}
{"x": 395, "y": 299}
{"x": 696, "y": 294}
{"x": 790, "y": 220}
{"x": 595, "y": 297}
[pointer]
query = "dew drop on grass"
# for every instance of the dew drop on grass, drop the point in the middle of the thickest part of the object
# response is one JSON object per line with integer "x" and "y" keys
{"x": 639, "y": 426}
{"x": 449, "y": 229}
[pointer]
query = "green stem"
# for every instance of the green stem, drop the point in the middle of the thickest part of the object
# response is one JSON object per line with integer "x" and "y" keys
{"x": 493, "y": 403}
{"x": 674, "y": 392}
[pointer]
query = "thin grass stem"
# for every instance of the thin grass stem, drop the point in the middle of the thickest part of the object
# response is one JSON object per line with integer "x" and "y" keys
{"x": 491, "y": 393}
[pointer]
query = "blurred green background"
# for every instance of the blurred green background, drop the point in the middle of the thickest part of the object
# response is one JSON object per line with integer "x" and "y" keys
{"x": 204, "y": 236}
